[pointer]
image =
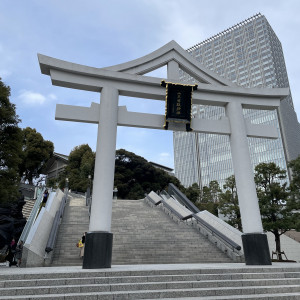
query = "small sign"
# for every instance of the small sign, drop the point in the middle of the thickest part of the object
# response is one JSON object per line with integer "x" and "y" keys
{"x": 178, "y": 103}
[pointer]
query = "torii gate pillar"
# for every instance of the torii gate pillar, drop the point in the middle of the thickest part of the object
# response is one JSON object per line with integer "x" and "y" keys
{"x": 255, "y": 243}
{"x": 98, "y": 248}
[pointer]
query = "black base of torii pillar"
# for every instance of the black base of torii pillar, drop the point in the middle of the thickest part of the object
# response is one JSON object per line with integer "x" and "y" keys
{"x": 256, "y": 249}
{"x": 98, "y": 250}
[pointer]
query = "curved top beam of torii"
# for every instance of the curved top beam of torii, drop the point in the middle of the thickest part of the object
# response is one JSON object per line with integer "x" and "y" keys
{"x": 128, "y": 80}
{"x": 171, "y": 51}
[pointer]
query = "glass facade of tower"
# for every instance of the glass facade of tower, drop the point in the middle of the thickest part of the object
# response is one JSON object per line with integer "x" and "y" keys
{"x": 250, "y": 55}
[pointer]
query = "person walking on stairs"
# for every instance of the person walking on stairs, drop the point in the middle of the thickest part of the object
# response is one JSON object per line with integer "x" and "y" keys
{"x": 18, "y": 255}
{"x": 82, "y": 248}
{"x": 43, "y": 203}
{"x": 80, "y": 245}
{"x": 11, "y": 250}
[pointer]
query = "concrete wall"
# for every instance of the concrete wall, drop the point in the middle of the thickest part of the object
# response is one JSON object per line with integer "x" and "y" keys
{"x": 35, "y": 244}
{"x": 288, "y": 245}
{"x": 229, "y": 231}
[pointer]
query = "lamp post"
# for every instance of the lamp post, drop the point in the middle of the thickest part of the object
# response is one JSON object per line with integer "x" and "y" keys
{"x": 88, "y": 191}
{"x": 90, "y": 181}
{"x": 115, "y": 193}
{"x": 67, "y": 184}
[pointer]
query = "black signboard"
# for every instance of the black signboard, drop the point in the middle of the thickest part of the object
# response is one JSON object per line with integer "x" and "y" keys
{"x": 178, "y": 103}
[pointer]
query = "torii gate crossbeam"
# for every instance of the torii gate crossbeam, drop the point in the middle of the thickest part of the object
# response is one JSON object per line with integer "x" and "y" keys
{"x": 125, "y": 80}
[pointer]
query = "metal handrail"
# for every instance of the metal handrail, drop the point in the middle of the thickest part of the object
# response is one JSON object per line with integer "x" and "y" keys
{"x": 32, "y": 215}
{"x": 153, "y": 202}
{"x": 54, "y": 230}
{"x": 53, "y": 233}
{"x": 216, "y": 232}
{"x": 182, "y": 198}
{"x": 165, "y": 196}
{"x": 169, "y": 207}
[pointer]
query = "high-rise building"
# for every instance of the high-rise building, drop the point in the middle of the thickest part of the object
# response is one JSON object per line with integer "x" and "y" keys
{"x": 249, "y": 54}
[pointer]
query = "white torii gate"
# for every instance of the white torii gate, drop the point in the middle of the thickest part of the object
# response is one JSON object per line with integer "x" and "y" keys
{"x": 127, "y": 79}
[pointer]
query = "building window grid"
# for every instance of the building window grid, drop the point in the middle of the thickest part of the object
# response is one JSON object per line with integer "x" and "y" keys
{"x": 263, "y": 58}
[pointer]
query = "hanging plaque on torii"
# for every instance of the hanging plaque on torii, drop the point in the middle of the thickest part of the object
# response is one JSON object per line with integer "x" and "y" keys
{"x": 178, "y": 103}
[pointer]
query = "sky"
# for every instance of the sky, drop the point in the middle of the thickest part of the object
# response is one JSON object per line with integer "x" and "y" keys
{"x": 101, "y": 33}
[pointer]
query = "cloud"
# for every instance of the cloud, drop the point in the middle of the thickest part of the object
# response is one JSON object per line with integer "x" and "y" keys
{"x": 4, "y": 74}
{"x": 178, "y": 25}
{"x": 32, "y": 98}
{"x": 164, "y": 154}
{"x": 52, "y": 97}
{"x": 166, "y": 159}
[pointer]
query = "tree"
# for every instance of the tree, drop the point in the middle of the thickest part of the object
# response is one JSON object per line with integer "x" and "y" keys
{"x": 211, "y": 192}
{"x": 209, "y": 197}
{"x": 228, "y": 205}
{"x": 135, "y": 176}
{"x": 274, "y": 201}
{"x": 295, "y": 182}
{"x": 295, "y": 187}
{"x": 295, "y": 167}
{"x": 215, "y": 190}
{"x": 10, "y": 148}
{"x": 81, "y": 164}
{"x": 193, "y": 193}
{"x": 36, "y": 151}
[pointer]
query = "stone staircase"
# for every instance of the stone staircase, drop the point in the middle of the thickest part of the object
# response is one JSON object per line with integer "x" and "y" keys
{"x": 145, "y": 235}
{"x": 142, "y": 235}
{"x": 27, "y": 208}
{"x": 171, "y": 282}
{"x": 74, "y": 223}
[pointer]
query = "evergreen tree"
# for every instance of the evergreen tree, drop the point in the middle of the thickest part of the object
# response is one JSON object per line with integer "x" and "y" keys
{"x": 228, "y": 205}
{"x": 10, "y": 148}
{"x": 211, "y": 192}
{"x": 135, "y": 176}
{"x": 81, "y": 164}
{"x": 295, "y": 188}
{"x": 36, "y": 151}
{"x": 209, "y": 197}
{"x": 274, "y": 201}
{"x": 193, "y": 193}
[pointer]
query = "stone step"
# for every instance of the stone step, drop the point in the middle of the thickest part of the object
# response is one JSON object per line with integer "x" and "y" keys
{"x": 202, "y": 272}
{"x": 233, "y": 279}
{"x": 150, "y": 282}
{"x": 104, "y": 292}
{"x": 133, "y": 261}
{"x": 287, "y": 296}
{"x": 103, "y": 296}
{"x": 120, "y": 283}
{"x": 200, "y": 287}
